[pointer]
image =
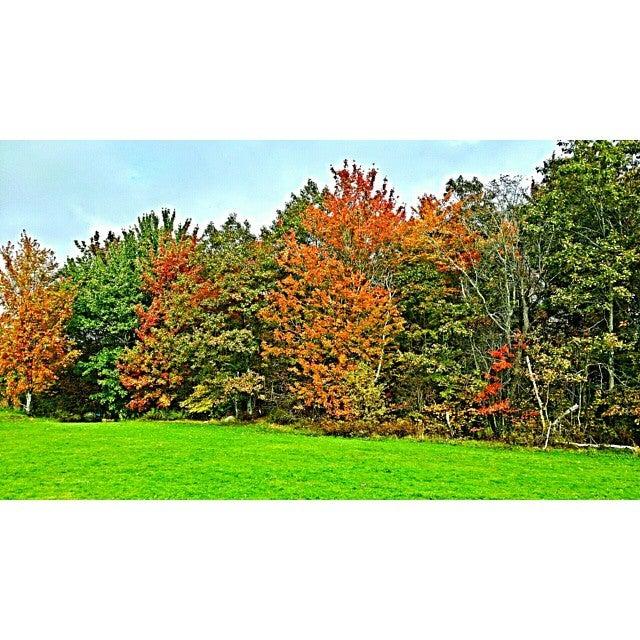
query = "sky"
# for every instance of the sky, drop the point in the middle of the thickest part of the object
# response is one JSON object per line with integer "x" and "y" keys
{"x": 59, "y": 191}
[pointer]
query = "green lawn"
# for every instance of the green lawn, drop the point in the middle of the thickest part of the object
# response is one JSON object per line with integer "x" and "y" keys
{"x": 46, "y": 459}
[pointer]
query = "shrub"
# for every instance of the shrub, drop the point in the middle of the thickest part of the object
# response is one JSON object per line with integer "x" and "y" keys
{"x": 399, "y": 428}
{"x": 163, "y": 414}
{"x": 281, "y": 416}
{"x": 365, "y": 394}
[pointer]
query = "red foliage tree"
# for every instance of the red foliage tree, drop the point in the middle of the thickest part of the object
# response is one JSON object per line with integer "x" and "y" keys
{"x": 155, "y": 369}
{"x": 490, "y": 397}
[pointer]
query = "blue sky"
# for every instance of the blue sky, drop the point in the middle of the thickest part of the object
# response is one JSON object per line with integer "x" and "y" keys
{"x": 61, "y": 191}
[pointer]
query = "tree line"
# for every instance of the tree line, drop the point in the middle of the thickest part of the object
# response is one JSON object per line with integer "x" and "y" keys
{"x": 503, "y": 310}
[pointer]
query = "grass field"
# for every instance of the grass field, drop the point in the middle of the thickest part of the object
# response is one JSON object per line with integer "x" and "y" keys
{"x": 170, "y": 460}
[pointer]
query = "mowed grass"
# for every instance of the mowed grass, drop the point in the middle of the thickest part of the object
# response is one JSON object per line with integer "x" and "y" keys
{"x": 46, "y": 459}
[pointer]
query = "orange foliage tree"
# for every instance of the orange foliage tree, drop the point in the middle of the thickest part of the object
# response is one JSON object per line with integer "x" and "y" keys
{"x": 328, "y": 321}
{"x": 156, "y": 367}
{"x": 333, "y": 314}
{"x": 360, "y": 224}
{"x": 441, "y": 231}
{"x": 34, "y": 308}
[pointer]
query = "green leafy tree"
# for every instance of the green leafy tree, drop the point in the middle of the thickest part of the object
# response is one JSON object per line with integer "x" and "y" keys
{"x": 290, "y": 218}
{"x": 226, "y": 360}
{"x": 108, "y": 278}
{"x": 585, "y": 216}
{"x": 104, "y": 318}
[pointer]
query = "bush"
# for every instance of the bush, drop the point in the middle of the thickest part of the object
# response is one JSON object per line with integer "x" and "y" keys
{"x": 281, "y": 416}
{"x": 366, "y": 396}
{"x": 399, "y": 428}
{"x": 78, "y": 417}
{"x": 68, "y": 400}
{"x": 164, "y": 414}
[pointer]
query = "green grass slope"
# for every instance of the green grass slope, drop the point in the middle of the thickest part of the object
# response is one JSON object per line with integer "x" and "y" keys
{"x": 171, "y": 460}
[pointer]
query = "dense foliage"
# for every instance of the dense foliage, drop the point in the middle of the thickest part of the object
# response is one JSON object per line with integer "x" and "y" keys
{"x": 499, "y": 310}
{"x": 35, "y": 306}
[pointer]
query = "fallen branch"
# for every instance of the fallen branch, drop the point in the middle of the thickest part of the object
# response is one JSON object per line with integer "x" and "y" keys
{"x": 602, "y": 446}
{"x": 575, "y": 407}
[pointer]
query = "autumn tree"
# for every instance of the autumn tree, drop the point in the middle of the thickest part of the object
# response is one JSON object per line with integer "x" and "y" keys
{"x": 107, "y": 275}
{"x": 35, "y": 306}
{"x": 156, "y": 369}
{"x": 332, "y": 327}
{"x": 477, "y": 232}
{"x": 359, "y": 222}
{"x": 434, "y": 377}
{"x": 333, "y": 314}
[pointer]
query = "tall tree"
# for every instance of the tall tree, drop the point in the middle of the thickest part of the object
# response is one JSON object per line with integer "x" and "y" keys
{"x": 434, "y": 375}
{"x": 156, "y": 369}
{"x": 103, "y": 323}
{"x": 586, "y": 216}
{"x": 360, "y": 222}
{"x": 35, "y": 307}
{"x": 588, "y": 206}
{"x": 228, "y": 371}
{"x": 107, "y": 275}
{"x": 332, "y": 327}
{"x": 333, "y": 313}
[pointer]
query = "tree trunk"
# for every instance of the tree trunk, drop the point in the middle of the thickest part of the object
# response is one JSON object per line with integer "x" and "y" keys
{"x": 524, "y": 303}
{"x": 447, "y": 415}
{"x": 27, "y": 404}
{"x": 610, "y": 327}
{"x": 541, "y": 407}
